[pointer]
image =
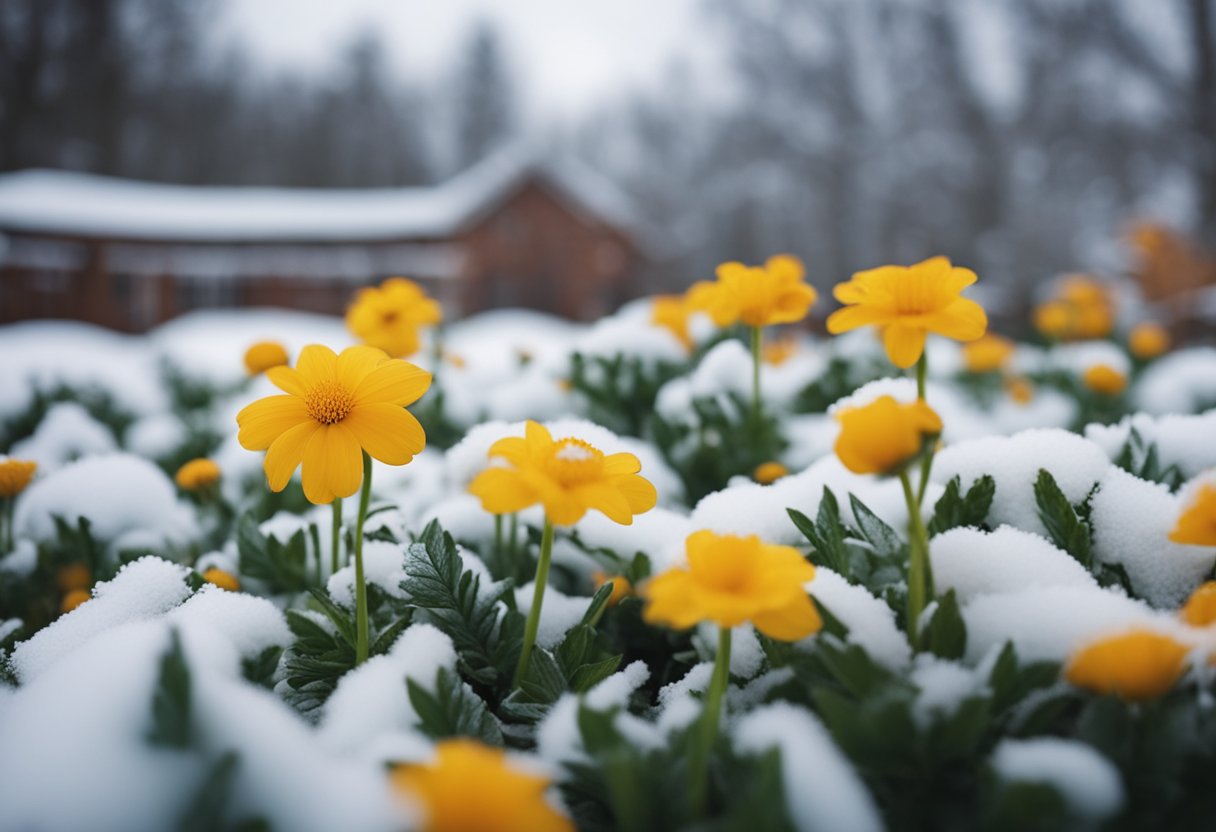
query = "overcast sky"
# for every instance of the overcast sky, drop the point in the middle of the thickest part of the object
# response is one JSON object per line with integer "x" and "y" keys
{"x": 566, "y": 52}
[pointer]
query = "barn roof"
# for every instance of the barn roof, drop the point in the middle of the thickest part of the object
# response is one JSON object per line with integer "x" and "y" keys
{"x": 86, "y": 205}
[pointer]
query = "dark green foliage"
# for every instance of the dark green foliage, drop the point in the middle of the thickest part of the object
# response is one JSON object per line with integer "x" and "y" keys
{"x": 1139, "y": 457}
{"x": 840, "y": 379}
{"x": 441, "y": 431}
{"x": 172, "y": 720}
{"x": 1069, "y": 528}
{"x": 619, "y": 392}
{"x": 208, "y": 811}
{"x": 945, "y": 634}
{"x": 281, "y": 567}
{"x": 953, "y": 509}
{"x": 453, "y": 710}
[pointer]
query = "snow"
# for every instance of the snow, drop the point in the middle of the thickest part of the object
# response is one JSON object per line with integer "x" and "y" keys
{"x": 835, "y": 797}
{"x": 251, "y": 624}
{"x": 941, "y": 687}
{"x": 383, "y": 566}
{"x": 100, "y": 488}
{"x": 141, "y": 590}
{"x": 1186, "y": 441}
{"x": 22, "y": 560}
{"x": 1084, "y": 355}
{"x": 1050, "y": 623}
{"x": 67, "y": 432}
{"x": 637, "y": 339}
{"x": 1014, "y": 463}
{"x": 558, "y": 613}
{"x": 1089, "y": 783}
{"x": 373, "y": 700}
{"x": 155, "y": 436}
{"x": 870, "y": 621}
{"x": 1132, "y": 520}
{"x": 973, "y": 563}
{"x": 1182, "y": 382}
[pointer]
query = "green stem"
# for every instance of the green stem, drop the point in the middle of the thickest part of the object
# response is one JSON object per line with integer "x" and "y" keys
{"x": 314, "y": 535}
{"x": 365, "y": 495}
{"x": 922, "y": 367}
{"x": 704, "y": 746}
{"x": 335, "y": 535}
{"x": 512, "y": 536}
{"x": 8, "y": 524}
{"x": 926, "y": 462}
{"x": 757, "y": 341}
{"x": 498, "y": 558}
{"x": 538, "y": 598}
{"x": 919, "y": 580}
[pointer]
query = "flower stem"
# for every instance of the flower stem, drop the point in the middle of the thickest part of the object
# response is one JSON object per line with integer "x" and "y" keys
{"x": 512, "y": 536}
{"x": 7, "y": 517}
{"x": 922, "y": 367}
{"x": 498, "y": 553}
{"x": 361, "y": 646}
{"x": 335, "y": 535}
{"x": 708, "y": 729}
{"x": 919, "y": 580}
{"x": 757, "y": 340}
{"x": 538, "y": 598}
{"x": 926, "y": 462}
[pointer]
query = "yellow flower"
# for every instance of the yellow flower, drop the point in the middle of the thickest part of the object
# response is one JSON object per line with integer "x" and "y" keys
{"x": 671, "y": 312}
{"x": 1053, "y": 319}
{"x": 336, "y": 407}
{"x": 700, "y": 295}
{"x": 760, "y": 295}
{"x": 780, "y": 350}
{"x": 987, "y": 354}
{"x": 263, "y": 355}
{"x": 730, "y": 580}
{"x": 883, "y": 436}
{"x": 73, "y": 600}
{"x": 1020, "y": 390}
{"x": 15, "y": 475}
{"x": 767, "y": 473}
{"x": 1104, "y": 379}
{"x": 1135, "y": 665}
{"x": 1197, "y": 523}
{"x": 222, "y": 579}
{"x": 567, "y": 476}
{"x": 907, "y": 303}
{"x": 73, "y": 576}
{"x": 471, "y": 787}
{"x": 388, "y": 316}
{"x": 621, "y": 586}
{"x": 1200, "y": 609}
{"x": 197, "y": 474}
{"x": 1148, "y": 340}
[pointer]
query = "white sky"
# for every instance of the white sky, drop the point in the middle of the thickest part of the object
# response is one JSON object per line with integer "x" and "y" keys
{"x": 566, "y": 52}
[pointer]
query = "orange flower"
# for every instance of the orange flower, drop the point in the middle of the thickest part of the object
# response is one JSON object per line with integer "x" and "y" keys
{"x": 263, "y": 355}
{"x": 388, "y": 316}
{"x": 621, "y": 586}
{"x": 15, "y": 475}
{"x": 73, "y": 600}
{"x": 567, "y": 476}
{"x": 1104, "y": 379}
{"x": 907, "y": 303}
{"x": 1200, "y": 609}
{"x": 222, "y": 579}
{"x": 197, "y": 474}
{"x": 1053, "y": 319}
{"x": 884, "y": 436}
{"x": 336, "y": 407}
{"x": 671, "y": 312}
{"x": 471, "y": 787}
{"x": 730, "y": 580}
{"x": 1197, "y": 523}
{"x": 1136, "y": 665}
{"x": 767, "y": 473}
{"x": 73, "y": 576}
{"x": 760, "y": 295}
{"x": 1148, "y": 340}
{"x": 1020, "y": 390}
{"x": 987, "y": 354}
{"x": 779, "y": 351}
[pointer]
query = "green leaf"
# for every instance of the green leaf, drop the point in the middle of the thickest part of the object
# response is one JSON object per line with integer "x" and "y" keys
{"x": 171, "y": 715}
{"x": 598, "y": 601}
{"x": 589, "y": 675}
{"x": 887, "y": 544}
{"x": 453, "y": 710}
{"x": 284, "y": 568}
{"x": 1140, "y": 458}
{"x": 340, "y": 616}
{"x": 1066, "y": 528}
{"x": 209, "y": 807}
{"x": 826, "y": 535}
{"x": 953, "y": 510}
{"x": 945, "y": 635}
{"x": 544, "y": 681}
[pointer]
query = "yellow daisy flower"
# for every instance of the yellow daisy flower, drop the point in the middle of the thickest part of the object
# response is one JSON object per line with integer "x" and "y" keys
{"x": 72, "y": 600}
{"x": 987, "y": 354}
{"x": 1135, "y": 665}
{"x": 1197, "y": 523}
{"x": 471, "y": 786}
{"x": 759, "y": 295}
{"x": 567, "y": 476}
{"x": 1200, "y": 609}
{"x": 335, "y": 407}
{"x": 263, "y": 355}
{"x": 1104, "y": 379}
{"x": 767, "y": 473}
{"x": 907, "y": 303}
{"x": 671, "y": 312}
{"x": 621, "y": 586}
{"x": 222, "y": 578}
{"x": 730, "y": 580}
{"x": 197, "y": 474}
{"x": 388, "y": 316}
{"x": 1148, "y": 340}
{"x": 883, "y": 436}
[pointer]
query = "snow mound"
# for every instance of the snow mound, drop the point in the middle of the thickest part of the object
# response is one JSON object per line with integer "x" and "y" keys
{"x": 870, "y": 621}
{"x": 1089, "y": 783}
{"x": 1182, "y": 382}
{"x": 973, "y": 563}
{"x": 67, "y": 432}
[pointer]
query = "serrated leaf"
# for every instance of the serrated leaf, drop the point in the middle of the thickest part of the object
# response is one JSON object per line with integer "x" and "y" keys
{"x": 544, "y": 681}
{"x": 453, "y": 710}
{"x": 589, "y": 675}
{"x": 953, "y": 509}
{"x": 340, "y": 616}
{"x": 887, "y": 544}
{"x": 1066, "y": 529}
{"x": 171, "y": 711}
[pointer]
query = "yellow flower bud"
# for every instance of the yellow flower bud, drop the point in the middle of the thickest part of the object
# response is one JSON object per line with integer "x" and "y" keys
{"x": 1196, "y": 524}
{"x": 767, "y": 473}
{"x": 1139, "y": 664}
{"x": 73, "y": 600}
{"x": 15, "y": 475}
{"x": 197, "y": 474}
{"x": 222, "y": 579}
{"x": 988, "y": 354}
{"x": 1148, "y": 340}
{"x": 263, "y": 355}
{"x": 1104, "y": 379}
{"x": 621, "y": 586}
{"x": 883, "y": 436}
{"x": 72, "y": 577}
{"x": 1200, "y": 609}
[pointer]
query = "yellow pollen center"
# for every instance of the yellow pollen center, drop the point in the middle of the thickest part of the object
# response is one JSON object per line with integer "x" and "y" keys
{"x": 914, "y": 296}
{"x": 329, "y": 402}
{"x": 389, "y": 317}
{"x": 574, "y": 462}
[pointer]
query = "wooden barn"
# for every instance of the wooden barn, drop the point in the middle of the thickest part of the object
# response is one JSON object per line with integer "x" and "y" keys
{"x": 511, "y": 231}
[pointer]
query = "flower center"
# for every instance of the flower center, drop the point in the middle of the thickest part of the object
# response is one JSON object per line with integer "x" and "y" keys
{"x": 329, "y": 402}
{"x": 574, "y": 462}
{"x": 389, "y": 317}
{"x": 915, "y": 296}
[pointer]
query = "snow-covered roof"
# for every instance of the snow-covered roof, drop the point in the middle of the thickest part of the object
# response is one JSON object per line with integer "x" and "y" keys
{"x": 85, "y": 205}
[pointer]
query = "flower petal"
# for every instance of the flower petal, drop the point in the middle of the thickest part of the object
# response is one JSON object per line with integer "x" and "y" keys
{"x": 638, "y": 491}
{"x": 621, "y": 464}
{"x": 333, "y": 465}
{"x": 514, "y": 449}
{"x": 855, "y": 317}
{"x": 267, "y": 419}
{"x": 388, "y": 432}
{"x": 357, "y": 363}
{"x": 287, "y": 380}
{"x": 393, "y": 382}
{"x": 316, "y": 363}
{"x": 606, "y": 499}
{"x": 286, "y": 453}
{"x": 789, "y": 622}
{"x": 963, "y": 320}
{"x": 904, "y": 344}
{"x": 502, "y": 491}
